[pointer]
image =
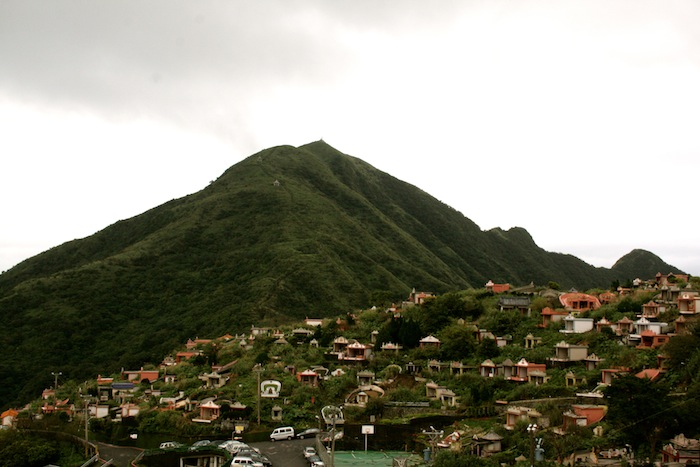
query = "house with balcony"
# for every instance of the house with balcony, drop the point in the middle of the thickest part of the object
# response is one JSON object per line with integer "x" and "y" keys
{"x": 526, "y": 372}
{"x": 592, "y": 361}
{"x": 669, "y": 293}
{"x": 213, "y": 380}
{"x": 435, "y": 391}
{"x": 429, "y": 342}
{"x": 507, "y": 368}
{"x": 650, "y": 340}
{"x": 682, "y": 323}
{"x": 308, "y": 378}
{"x": 623, "y": 326}
{"x": 602, "y": 324}
{"x": 689, "y": 303}
{"x": 356, "y": 352}
{"x": 528, "y": 415}
{"x": 208, "y": 412}
{"x": 643, "y": 324}
{"x": 575, "y": 325}
{"x": 608, "y": 375}
{"x": 488, "y": 369}
{"x": 567, "y": 353}
{"x": 339, "y": 344}
{"x": 652, "y": 309}
{"x": 531, "y": 341}
{"x": 571, "y": 379}
{"x": 128, "y": 409}
{"x": 459, "y": 368}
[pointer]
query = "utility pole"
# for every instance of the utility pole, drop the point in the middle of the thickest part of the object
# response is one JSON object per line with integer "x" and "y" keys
{"x": 258, "y": 369}
{"x": 87, "y": 418}
{"x": 434, "y": 435}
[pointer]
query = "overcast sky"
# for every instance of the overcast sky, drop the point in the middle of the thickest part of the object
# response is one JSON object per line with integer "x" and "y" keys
{"x": 577, "y": 121}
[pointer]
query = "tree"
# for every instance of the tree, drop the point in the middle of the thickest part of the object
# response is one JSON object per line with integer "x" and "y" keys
{"x": 410, "y": 334}
{"x": 488, "y": 349}
{"x": 639, "y": 410}
{"x": 438, "y": 311}
{"x": 457, "y": 342}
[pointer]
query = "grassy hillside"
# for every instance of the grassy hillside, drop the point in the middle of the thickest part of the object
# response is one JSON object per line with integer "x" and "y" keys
{"x": 286, "y": 233}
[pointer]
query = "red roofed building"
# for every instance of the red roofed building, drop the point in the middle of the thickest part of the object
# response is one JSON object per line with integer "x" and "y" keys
{"x": 497, "y": 288}
{"x": 9, "y": 418}
{"x": 552, "y": 316}
{"x": 417, "y": 298}
{"x": 308, "y": 378}
{"x": 584, "y": 415}
{"x": 652, "y": 340}
{"x": 650, "y": 374}
{"x": 577, "y": 301}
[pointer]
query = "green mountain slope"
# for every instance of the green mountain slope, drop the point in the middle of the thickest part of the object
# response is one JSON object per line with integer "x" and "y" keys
{"x": 642, "y": 264}
{"x": 286, "y": 233}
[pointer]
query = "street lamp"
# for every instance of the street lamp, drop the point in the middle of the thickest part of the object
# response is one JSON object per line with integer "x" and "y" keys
{"x": 531, "y": 429}
{"x": 334, "y": 413}
{"x": 55, "y": 380}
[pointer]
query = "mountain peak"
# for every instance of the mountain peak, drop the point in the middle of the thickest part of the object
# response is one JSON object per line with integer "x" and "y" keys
{"x": 643, "y": 264}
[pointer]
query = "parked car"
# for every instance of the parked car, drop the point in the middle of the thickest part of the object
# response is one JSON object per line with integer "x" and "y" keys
{"x": 308, "y": 433}
{"x": 283, "y": 432}
{"x": 170, "y": 445}
{"x": 232, "y": 446}
{"x": 310, "y": 451}
{"x": 315, "y": 461}
{"x": 256, "y": 455}
{"x": 199, "y": 444}
{"x": 245, "y": 460}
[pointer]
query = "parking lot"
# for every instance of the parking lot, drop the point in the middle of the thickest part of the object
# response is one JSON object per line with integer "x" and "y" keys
{"x": 286, "y": 453}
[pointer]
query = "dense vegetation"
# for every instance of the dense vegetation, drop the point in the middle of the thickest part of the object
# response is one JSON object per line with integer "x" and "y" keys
{"x": 286, "y": 233}
{"x": 641, "y": 413}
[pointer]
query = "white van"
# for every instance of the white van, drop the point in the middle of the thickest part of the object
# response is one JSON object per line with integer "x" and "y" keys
{"x": 283, "y": 432}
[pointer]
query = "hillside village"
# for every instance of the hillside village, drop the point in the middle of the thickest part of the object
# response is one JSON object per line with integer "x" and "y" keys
{"x": 507, "y": 374}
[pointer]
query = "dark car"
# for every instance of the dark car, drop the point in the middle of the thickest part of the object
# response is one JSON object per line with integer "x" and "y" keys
{"x": 309, "y": 433}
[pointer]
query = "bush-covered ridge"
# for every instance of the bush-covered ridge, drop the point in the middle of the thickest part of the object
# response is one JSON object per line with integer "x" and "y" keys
{"x": 286, "y": 233}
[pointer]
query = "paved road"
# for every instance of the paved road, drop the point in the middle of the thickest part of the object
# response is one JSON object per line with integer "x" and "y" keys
{"x": 281, "y": 453}
{"x": 286, "y": 453}
{"x": 121, "y": 455}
